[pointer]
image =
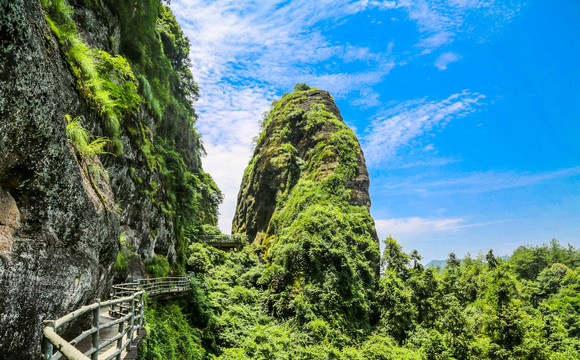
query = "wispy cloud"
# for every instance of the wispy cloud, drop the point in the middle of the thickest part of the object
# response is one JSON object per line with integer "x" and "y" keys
{"x": 474, "y": 182}
{"x": 275, "y": 41}
{"x": 428, "y": 162}
{"x": 443, "y": 21}
{"x": 397, "y": 127}
{"x": 418, "y": 225}
{"x": 445, "y": 59}
{"x": 244, "y": 53}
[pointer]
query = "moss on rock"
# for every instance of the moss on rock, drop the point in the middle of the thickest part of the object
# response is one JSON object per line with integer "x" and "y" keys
{"x": 304, "y": 199}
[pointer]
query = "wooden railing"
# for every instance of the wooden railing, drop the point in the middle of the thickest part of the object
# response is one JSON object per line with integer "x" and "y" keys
{"x": 126, "y": 306}
{"x": 224, "y": 241}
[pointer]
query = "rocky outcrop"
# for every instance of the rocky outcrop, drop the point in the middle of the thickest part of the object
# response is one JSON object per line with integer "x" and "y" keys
{"x": 60, "y": 229}
{"x": 270, "y": 171}
{"x": 304, "y": 198}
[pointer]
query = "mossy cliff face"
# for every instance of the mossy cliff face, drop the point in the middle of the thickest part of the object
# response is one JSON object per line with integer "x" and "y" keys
{"x": 304, "y": 198}
{"x": 63, "y": 209}
{"x": 303, "y": 137}
{"x": 58, "y": 237}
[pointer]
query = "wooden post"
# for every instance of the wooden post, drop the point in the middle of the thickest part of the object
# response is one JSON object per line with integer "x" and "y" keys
{"x": 132, "y": 324}
{"x": 141, "y": 311}
{"x": 112, "y": 307}
{"x": 120, "y": 341}
{"x": 95, "y": 335}
{"x": 46, "y": 344}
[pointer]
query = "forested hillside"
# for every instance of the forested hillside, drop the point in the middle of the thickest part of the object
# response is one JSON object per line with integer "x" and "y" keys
{"x": 300, "y": 290}
{"x": 526, "y": 307}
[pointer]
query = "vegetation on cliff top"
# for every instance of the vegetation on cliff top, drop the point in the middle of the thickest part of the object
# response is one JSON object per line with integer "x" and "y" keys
{"x": 320, "y": 249}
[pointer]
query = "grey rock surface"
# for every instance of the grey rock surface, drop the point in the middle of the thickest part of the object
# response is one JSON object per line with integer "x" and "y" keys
{"x": 59, "y": 236}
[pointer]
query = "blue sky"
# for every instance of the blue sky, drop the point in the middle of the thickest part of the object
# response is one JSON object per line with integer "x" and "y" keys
{"x": 467, "y": 110}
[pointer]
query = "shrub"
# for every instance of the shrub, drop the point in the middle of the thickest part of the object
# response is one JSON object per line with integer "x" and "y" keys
{"x": 301, "y": 87}
{"x": 158, "y": 266}
{"x": 170, "y": 335}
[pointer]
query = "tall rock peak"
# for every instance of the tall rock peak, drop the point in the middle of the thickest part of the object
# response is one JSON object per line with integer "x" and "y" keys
{"x": 301, "y": 138}
{"x": 304, "y": 198}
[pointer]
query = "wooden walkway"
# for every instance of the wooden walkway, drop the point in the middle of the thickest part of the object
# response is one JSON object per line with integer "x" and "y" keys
{"x": 117, "y": 324}
{"x": 107, "y": 334}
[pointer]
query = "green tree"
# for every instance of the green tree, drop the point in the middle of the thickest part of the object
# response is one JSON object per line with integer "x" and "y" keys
{"x": 426, "y": 295}
{"x": 503, "y": 323}
{"x": 394, "y": 258}
{"x": 416, "y": 258}
{"x": 397, "y": 310}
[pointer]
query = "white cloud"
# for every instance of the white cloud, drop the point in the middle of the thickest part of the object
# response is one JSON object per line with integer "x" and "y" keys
{"x": 383, "y": 5}
{"x": 474, "y": 182}
{"x": 230, "y": 117}
{"x": 266, "y": 40}
{"x": 343, "y": 84}
{"x": 445, "y": 59}
{"x": 226, "y": 164}
{"x": 410, "y": 226}
{"x": 442, "y": 21}
{"x": 397, "y": 127}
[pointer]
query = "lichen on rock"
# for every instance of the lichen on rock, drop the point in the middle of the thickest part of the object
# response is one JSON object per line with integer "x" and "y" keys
{"x": 62, "y": 213}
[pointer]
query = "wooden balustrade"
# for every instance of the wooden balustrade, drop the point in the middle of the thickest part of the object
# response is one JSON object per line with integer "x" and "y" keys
{"x": 125, "y": 306}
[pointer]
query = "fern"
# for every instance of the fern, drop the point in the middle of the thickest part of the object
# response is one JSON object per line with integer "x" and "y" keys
{"x": 81, "y": 138}
{"x": 106, "y": 81}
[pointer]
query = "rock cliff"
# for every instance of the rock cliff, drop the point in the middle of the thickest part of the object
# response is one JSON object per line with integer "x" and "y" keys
{"x": 304, "y": 198}
{"x": 65, "y": 203}
{"x": 296, "y": 142}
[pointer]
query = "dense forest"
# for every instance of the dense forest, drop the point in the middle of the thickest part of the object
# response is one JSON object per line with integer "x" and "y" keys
{"x": 483, "y": 307}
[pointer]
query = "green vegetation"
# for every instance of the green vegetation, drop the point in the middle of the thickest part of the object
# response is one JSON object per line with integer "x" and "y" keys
{"x": 302, "y": 87}
{"x": 321, "y": 250}
{"x": 309, "y": 286}
{"x": 475, "y": 308}
{"x": 169, "y": 334}
{"x": 152, "y": 69}
{"x": 82, "y": 140}
{"x": 126, "y": 251}
{"x": 106, "y": 81}
{"x": 121, "y": 267}
{"x": 158, "y": 266}
{"x": 159, "y": 55}
{"x": 243, "y": 326}
{"x": 87, "y": 149}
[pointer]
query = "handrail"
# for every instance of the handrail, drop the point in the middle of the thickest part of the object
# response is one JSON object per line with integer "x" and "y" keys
{"x": 126, "y": 305}
{"x": 223, "y": 239}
